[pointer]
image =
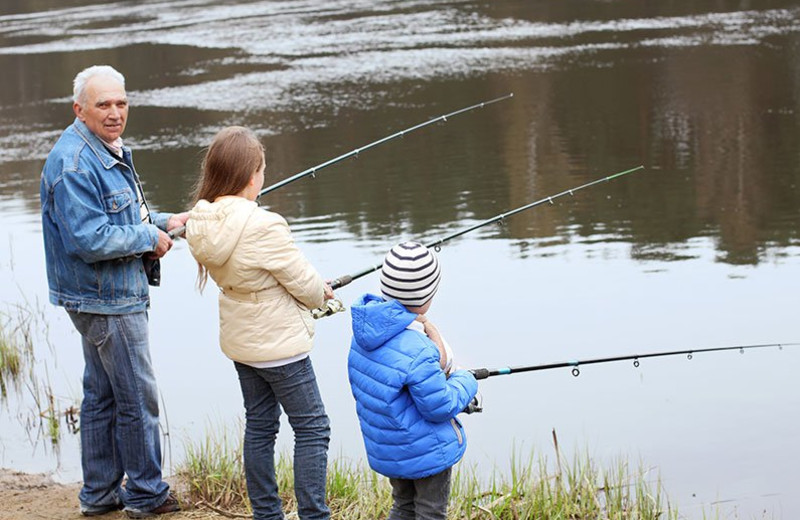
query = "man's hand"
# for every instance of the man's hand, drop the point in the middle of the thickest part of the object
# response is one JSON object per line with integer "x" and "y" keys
{"x": 164, "y": 245}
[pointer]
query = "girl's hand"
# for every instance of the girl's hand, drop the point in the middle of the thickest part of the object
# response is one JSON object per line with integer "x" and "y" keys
{"x": 177, "y": 220}
{"x": 328, "y": 291}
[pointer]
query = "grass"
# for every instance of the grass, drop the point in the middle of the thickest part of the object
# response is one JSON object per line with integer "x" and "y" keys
{"x": 14, "y": 352}
{"x": 213, "y": 473}
{"x": 20, "y": 327}
{"x": 213, "y": 477}
{"x": 10, "y": 363}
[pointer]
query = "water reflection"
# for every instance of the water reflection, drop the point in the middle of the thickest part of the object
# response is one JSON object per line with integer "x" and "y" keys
{"x": 698, "y": 250}
{"x": 720, "y": 169}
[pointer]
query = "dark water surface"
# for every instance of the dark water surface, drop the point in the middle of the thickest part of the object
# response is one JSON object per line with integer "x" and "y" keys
{"x": 699, "y": 250}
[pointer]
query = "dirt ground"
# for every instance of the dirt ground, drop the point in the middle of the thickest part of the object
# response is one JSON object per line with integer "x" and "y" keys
{"x": 32, "y": 497}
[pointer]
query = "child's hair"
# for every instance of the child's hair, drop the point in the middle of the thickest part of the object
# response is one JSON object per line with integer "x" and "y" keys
{"x": 233, "y": 156}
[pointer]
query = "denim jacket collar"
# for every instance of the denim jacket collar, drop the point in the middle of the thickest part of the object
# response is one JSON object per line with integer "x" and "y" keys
{"x": 106, "y": 158}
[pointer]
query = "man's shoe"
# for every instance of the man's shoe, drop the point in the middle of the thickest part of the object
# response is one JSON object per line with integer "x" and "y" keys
{"x": 170, "y": 505}
{"x": 100, "y": 510}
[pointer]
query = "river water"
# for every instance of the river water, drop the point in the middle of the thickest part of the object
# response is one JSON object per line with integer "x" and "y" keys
{"x": 700, "y": 249}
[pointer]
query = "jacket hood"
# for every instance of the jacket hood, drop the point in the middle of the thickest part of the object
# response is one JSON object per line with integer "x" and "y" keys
{"x": 214, "y": 228}
{"x": 375, "y": 320}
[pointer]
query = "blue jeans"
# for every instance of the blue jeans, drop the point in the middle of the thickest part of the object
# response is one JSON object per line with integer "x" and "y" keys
{"x": 421, "y": 499}
{"x": 292, "y": 387}
{"x": 119, "y": 413}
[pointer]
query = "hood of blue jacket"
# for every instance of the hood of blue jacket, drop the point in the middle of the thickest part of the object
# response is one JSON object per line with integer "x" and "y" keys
{"x": 376, "y": 321}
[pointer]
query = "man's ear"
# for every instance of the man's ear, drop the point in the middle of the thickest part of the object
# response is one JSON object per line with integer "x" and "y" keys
{"x": 78, "y": 109}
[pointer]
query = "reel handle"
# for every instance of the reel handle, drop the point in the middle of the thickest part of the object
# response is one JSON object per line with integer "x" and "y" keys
{"x": 176, "y": 232}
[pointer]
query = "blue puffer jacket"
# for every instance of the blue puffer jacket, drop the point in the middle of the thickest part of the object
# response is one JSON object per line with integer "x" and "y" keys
{"x": 406, "y": 406}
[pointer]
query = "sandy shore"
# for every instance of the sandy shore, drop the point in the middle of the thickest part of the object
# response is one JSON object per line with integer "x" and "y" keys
{"x": 26, "y": 496}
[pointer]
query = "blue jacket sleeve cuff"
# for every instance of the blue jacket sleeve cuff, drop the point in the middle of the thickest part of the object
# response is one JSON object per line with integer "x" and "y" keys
{"x": 153, "y": 231}
{"x": 160, "y": 220}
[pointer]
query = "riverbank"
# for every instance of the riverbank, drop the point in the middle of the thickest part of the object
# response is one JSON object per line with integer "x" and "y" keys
{"x": 25, "y": 496}
{"x": 575, "y": 490}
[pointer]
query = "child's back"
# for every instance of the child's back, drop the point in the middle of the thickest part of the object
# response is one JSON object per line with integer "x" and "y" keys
{"x": 267, "y": 285}
{"x": 406, "y": 404}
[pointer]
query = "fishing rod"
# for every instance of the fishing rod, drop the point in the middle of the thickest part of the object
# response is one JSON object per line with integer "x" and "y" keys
{"x": 436, "y": 244}
{"x": 334, "y": 305}
{"x": 314, "y": 169}
{"x": 483, "y": 373}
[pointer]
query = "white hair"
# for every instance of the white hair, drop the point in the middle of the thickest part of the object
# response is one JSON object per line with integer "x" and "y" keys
{"x": 83, "y": 77}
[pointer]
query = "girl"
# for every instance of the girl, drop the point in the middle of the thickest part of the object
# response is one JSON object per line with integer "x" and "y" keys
{"x": 267, "y": 288}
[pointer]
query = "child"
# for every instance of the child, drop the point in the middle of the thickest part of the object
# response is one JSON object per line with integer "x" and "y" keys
{"x": 267, "y": 288}
{"x": 406, "y": 404}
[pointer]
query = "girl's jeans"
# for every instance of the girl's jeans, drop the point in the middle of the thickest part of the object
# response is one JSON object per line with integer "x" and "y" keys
{"x": 119, "y": 413}
{"x": 292, "y": 387}
{"x": 421, "y": 499}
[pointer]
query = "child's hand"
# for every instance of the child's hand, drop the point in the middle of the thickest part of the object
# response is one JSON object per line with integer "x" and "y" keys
{"x": 433, "y": 333}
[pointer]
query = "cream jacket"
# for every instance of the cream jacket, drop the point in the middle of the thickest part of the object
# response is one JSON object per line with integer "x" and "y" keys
{"x": 267, "y": 285}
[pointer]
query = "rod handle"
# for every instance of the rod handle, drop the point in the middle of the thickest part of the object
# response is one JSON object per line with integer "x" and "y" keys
{"x": 480, "y": 373}
{"x": 341, "y": 281}
{"x": 176, "y": 232}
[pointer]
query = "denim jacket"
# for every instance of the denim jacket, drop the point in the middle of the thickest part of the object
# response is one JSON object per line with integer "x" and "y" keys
{"x": 93, "y": 233}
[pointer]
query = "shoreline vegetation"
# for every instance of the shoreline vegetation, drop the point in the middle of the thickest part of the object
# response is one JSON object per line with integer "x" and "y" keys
{"x": 212, "y": 478}
{"x": 23, "y": 327}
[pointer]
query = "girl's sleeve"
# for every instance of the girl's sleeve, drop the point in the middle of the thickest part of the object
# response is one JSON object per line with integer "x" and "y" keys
{"x": 284, "y": 260}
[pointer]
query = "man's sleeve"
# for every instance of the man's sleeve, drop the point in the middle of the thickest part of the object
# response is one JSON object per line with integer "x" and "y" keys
{"x": 86, "y": 230}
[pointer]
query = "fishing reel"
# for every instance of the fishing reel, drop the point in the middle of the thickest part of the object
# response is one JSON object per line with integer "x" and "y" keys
{"x": 475, "y": 405}
{"x": 328, "y": 308}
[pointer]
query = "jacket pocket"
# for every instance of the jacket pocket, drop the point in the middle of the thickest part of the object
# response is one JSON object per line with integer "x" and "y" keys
{"x": 117, "y": 201}
{"x": 457, "y": 427}
{"x": 306, "y": 318}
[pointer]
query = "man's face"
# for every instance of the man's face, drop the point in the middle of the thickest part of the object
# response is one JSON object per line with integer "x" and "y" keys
{"x": 104, "y": 109}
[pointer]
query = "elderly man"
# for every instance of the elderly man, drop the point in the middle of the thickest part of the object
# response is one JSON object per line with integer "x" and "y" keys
{"x": 102, "y": 245}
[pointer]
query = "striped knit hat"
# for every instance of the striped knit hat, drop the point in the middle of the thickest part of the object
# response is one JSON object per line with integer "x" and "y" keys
{"x": 410, "y": 274}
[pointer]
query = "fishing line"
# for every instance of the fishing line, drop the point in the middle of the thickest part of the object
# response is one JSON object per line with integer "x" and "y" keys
{"x": 483, "y": 373}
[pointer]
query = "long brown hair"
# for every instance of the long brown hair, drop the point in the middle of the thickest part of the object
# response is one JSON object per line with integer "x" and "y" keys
{"x": 233, "y": 156}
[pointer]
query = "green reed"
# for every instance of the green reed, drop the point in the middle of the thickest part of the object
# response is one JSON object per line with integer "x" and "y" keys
{"x": 213, "y": 475}
{"x": 15, "y": 353}
{"x": 23, "y": 330}
{"x": 10, "y": 363}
